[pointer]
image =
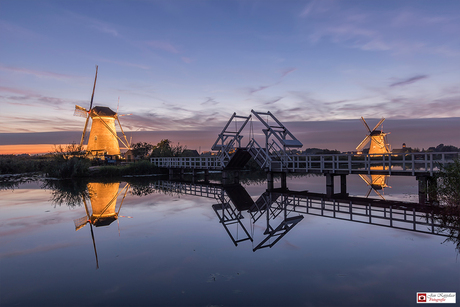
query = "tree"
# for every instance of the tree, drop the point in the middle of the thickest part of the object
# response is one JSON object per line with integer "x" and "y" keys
{"x": 165, "y": 149}
{"x": 449, "y": 184}
{"x": 142, "y": 149}
{"x": 449, "y": 195}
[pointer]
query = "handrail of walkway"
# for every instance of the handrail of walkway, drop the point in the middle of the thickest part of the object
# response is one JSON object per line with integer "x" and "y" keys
{"x": 391, "y": 163}
{"x": 211, "y": 163}
{"x": 409, "y": 163}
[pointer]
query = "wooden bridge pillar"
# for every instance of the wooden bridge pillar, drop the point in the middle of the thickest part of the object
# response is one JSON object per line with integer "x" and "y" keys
{"x": 283, "y": 181}
{"x": 329, "y": 184}
{"x": 171, "y": 174}
{"x": 427, "y": 189}
{"x": 270, "y": 181}
{"x": 236, "y": 177}
{"x": 330, "y": 191}
{"x": 206, "y": 175}
{"x": 343, "y": 184}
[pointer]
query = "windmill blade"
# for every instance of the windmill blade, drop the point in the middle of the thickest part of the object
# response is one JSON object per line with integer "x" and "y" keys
{"x": 80, "y": 222}
{"x": 84, "y": 131}
{"x": 365, "y": 124}
{"x": 366, "y": 179}
{"x": 363, "y": 143}
{"x": 80, "y": 111}
{"x": 368, "y": 192}
{"x": 379, "y": 123}
{"x": 125, "y": 114}
{"x": 94, "y": 245}
{"x": 377, "y": 192}
{"x": 94, "y": 87}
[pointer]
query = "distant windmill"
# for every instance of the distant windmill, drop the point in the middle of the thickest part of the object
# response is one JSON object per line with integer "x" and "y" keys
{"x": 103, "y": 138}
{"x": 377, "y": 138}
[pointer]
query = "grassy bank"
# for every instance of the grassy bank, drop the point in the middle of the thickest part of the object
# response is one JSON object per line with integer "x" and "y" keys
{"x": 76, "y": 167}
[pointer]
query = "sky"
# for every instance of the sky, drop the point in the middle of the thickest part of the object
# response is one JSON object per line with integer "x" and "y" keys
{"x": 182, "y": 68}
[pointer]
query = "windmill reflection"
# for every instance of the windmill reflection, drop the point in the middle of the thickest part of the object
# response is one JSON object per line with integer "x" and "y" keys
{"x": 101, "y": 210}
{"x": 376, "y": 183}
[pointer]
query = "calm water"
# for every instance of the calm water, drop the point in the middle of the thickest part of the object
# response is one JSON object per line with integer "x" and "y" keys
{"x": 167, "y": 248}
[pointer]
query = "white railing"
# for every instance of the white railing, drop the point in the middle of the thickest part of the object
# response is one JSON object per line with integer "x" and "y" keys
{"x": 187, "y": 162}
{"x": 410, "y": 163}
{"x": 407, "y": 163}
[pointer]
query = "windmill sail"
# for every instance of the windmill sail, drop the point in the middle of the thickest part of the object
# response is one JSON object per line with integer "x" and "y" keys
{"x": 80, "y": 111}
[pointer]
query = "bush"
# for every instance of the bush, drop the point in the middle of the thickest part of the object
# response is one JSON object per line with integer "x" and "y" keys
{"x": 70, "y": 168}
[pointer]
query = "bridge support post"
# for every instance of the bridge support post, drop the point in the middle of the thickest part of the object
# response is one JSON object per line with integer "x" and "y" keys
{"x": 427, "y": 189}
{"x": 283, "y": 181}
{"x": 206, "y": 175}
{"x": 343, "y": 184}
{"x": 329, "y": 184}
{"x": 171, "y": 174}
{"x": 269, "y": 181}
{"x": 236, "y": 177}
{"x": 422, "y": 189}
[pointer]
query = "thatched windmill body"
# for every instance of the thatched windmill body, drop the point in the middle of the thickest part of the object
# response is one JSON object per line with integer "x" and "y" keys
{"x": 377, "y": 139}
{"x": 103, "y": 138}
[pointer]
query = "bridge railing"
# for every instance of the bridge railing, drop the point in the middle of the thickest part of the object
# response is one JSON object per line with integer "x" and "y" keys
{"x": 411, "y": 163}
{"x": 187, "y": 162}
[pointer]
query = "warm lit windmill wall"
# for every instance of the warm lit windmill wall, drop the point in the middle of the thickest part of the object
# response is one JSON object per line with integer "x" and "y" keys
{"x": 102, "y": 137}
{"x": 103, "y": 199}
{"x": 378, "y": 144}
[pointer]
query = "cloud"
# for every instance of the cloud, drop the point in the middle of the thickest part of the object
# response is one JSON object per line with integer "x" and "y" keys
{"x": 103, "y": 27}
{"x": 409, "y": 80}
{"x": 287, "y": 71}
{"x": 209, "y": 102}
{"x": 163, "y": 45}
{"x": 36, "y": 73}
{"x": 261, "y": 88}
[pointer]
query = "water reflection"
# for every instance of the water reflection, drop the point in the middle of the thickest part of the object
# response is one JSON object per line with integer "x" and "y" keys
{"x": 282, "y": 210}
{"x": 101, "y": 211}
{"x": 277, "y": 212}
{"x": 376, "y": 182}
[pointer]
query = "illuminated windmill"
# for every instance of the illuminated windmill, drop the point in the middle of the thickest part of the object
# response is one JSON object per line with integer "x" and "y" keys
{"x": 376, "y": 183}
{"x": 377, "y": 138}
{"x": 103, "y": 201}
{"x": 103, "y": 138}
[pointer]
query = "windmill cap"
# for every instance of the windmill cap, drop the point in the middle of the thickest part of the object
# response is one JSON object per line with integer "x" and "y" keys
{"x": 102, "y": 111}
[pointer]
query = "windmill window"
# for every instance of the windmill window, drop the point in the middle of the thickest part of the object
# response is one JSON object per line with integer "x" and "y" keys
{"x": 95, "y": 138}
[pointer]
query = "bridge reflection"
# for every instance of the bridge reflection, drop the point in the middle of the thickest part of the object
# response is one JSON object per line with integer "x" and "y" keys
{"x": 283, "y": 210}
{"x": 276, "y": 211}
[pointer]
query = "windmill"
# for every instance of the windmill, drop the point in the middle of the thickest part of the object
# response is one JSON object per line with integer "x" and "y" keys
{"x": 377, "y": 138}
{"x": 103, "y": 138}
{"x": 103, "y": 201}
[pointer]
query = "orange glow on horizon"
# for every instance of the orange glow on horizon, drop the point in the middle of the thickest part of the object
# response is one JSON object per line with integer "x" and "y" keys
{"x": 28, "y": 149}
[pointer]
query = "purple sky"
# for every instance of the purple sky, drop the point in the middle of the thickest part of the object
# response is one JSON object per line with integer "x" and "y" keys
{"x": 179, "y": 66}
